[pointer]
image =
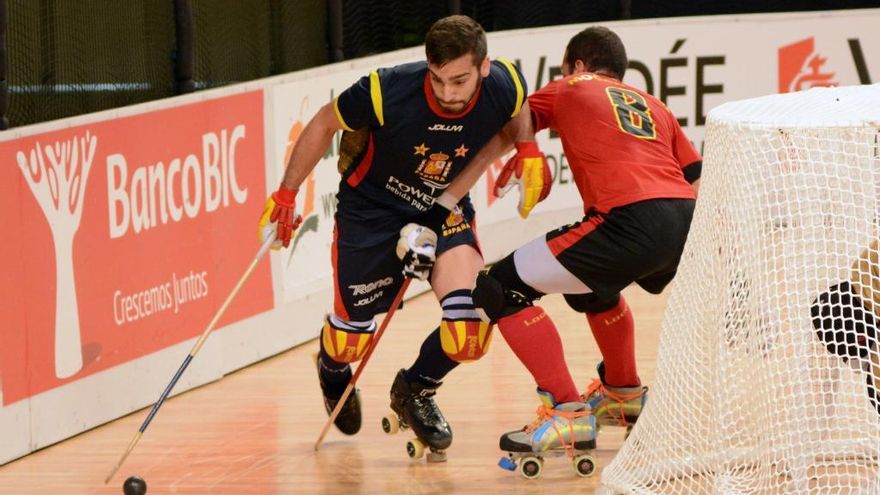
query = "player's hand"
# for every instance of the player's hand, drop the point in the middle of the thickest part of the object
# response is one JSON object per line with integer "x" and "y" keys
{"x": 279, "y": 216}
{"x": 417, "y": 249}
{"x": 529, "y": 170}
{"x": 435, "y": 218}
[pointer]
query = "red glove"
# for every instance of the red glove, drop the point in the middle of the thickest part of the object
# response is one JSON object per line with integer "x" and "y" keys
{"x": 279, "y": 209}
{"x": 529, "y": 170}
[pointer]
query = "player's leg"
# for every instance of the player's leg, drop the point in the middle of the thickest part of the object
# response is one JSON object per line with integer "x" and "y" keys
{"x": 849, "y": 331}
{"x": 366, "y": 279}
{"x": 461, "y": 336}
{"x": 642, "y": 243}
{"x": 613, "y": 327}
{"x": 342, "y": 342}
{"x": 505, "y": 294}
{"x": 506, "y": 299}
{"x": 617, "y": 396}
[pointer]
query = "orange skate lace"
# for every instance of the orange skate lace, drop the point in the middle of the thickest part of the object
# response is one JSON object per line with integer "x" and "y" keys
{"x": 545, "y": 414}
{"x": 596, "y": 387}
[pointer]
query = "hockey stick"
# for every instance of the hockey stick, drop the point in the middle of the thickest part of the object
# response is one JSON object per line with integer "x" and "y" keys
{"x": 363, "y": 364}
{"x": 263, "y": 249}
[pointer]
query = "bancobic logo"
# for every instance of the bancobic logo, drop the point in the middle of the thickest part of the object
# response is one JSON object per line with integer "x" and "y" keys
{"x": 169, "y": 190}
{"x": 801, "y": 67}
{"x": 132, "y": 227}
{"x": 57, "y": 174}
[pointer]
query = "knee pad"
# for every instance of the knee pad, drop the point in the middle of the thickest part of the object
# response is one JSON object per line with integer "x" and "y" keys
{"x": 465, "y": 340}
{"x": 591, "y": 303}
{"x": 500, "y": 292}
{"x": 344, "y": 342}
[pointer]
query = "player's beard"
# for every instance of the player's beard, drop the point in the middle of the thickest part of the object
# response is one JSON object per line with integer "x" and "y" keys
{"x": 457, "y": 107}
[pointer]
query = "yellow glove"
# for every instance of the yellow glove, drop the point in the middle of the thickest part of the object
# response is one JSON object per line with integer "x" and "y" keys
{"x": 528, "y": 170}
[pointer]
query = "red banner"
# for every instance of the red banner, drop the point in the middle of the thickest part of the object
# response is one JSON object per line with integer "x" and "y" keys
{"x": 123, "y": 237}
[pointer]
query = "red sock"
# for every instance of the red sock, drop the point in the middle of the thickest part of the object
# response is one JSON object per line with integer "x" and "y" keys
{"x": 614, "y": 331}
{"x": 534, "y": 339}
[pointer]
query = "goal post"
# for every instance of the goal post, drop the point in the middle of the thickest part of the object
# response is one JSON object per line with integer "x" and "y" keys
{"x": 751, "y": 395}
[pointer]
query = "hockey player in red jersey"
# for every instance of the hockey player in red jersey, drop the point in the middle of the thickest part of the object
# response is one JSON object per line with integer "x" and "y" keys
{"x": 637, "y": 174}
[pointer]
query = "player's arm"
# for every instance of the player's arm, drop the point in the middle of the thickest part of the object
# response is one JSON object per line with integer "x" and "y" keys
{"x": 519, "y": 128}
{"x": 696, "y": 183}
{"x": 311, "y": 146}
{"x": 690, "y": 160}
{"x": 528, "y": 168}
{"x": 279, "y": 214}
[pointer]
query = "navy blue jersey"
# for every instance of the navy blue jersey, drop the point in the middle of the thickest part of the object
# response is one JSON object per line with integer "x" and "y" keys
{"x": 399, "y": 150}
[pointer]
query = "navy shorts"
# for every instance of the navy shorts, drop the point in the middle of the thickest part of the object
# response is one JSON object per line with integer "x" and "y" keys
{"x": 367, "y": 274}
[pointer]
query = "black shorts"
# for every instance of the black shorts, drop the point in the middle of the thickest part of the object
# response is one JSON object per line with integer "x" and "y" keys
{"x": 366, "y": 270}
{"x": 641, "y": 242}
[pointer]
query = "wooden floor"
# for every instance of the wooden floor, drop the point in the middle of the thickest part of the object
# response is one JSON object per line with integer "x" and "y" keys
{"x": 253, "y": 431}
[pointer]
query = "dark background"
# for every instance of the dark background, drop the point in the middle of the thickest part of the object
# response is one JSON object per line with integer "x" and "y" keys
{"x": 67, "y": 57}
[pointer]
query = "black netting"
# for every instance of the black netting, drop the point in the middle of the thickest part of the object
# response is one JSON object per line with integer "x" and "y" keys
{"x": 73, "y": 57}
{"x": 497, "y": 15}
{"x": 67, "y": 57}
{"x": 674, "y": 8}
{"x": 375, "y": 26}
{"x": 232, "y": 41}
{"x": 300, "y": 28}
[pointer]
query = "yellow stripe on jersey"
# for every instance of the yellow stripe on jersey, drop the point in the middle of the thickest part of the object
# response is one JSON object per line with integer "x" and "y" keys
{"x": 376, "y": 95}
{"x": 519, "y": 89}
{"x": 339, "y": 115}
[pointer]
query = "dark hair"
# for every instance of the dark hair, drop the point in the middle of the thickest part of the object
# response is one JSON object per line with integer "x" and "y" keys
{"x": 599, "y": 49}
{"x": 454, "y": 36}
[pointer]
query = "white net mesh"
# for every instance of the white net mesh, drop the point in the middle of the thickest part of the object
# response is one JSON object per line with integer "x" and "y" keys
{"x": 749, "y": 397}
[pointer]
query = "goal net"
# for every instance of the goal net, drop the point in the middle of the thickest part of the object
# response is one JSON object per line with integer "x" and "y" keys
{"x": 768, "y": 349}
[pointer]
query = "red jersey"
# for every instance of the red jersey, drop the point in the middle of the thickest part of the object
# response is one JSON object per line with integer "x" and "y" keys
{"x": 622, "y": 144}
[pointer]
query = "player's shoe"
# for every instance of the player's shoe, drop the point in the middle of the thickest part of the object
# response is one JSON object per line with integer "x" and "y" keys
{"x": 349, "y": 418}
{"x": 568, "y": 426}
{"x": 415, "y": 407}
{"x": 615, "y": 406}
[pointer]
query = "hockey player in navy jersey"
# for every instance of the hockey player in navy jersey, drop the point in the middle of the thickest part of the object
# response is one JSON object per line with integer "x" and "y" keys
{"x": 408, "y": 131}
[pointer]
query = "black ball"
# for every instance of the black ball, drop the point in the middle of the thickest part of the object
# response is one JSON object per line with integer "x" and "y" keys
{"x": 134, "y": 485}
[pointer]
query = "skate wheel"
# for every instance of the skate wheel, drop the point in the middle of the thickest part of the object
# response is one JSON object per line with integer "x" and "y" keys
{"x": 530, "y": 467}
{"x": 436, "y": 456}
{"x": 585, "y": 465}
{"x": 415, "y": 448}
{"x": 390, "y": 424}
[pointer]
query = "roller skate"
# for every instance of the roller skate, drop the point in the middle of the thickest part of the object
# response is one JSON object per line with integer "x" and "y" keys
{"x": 560, "y": 429}
{"x": 615, "y": 406}
{"x": 413, "y": 407}
{"x": 349, "y": 418}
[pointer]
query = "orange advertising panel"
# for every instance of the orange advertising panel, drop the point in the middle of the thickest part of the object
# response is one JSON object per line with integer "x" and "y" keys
{"x": 123, "y": 237}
